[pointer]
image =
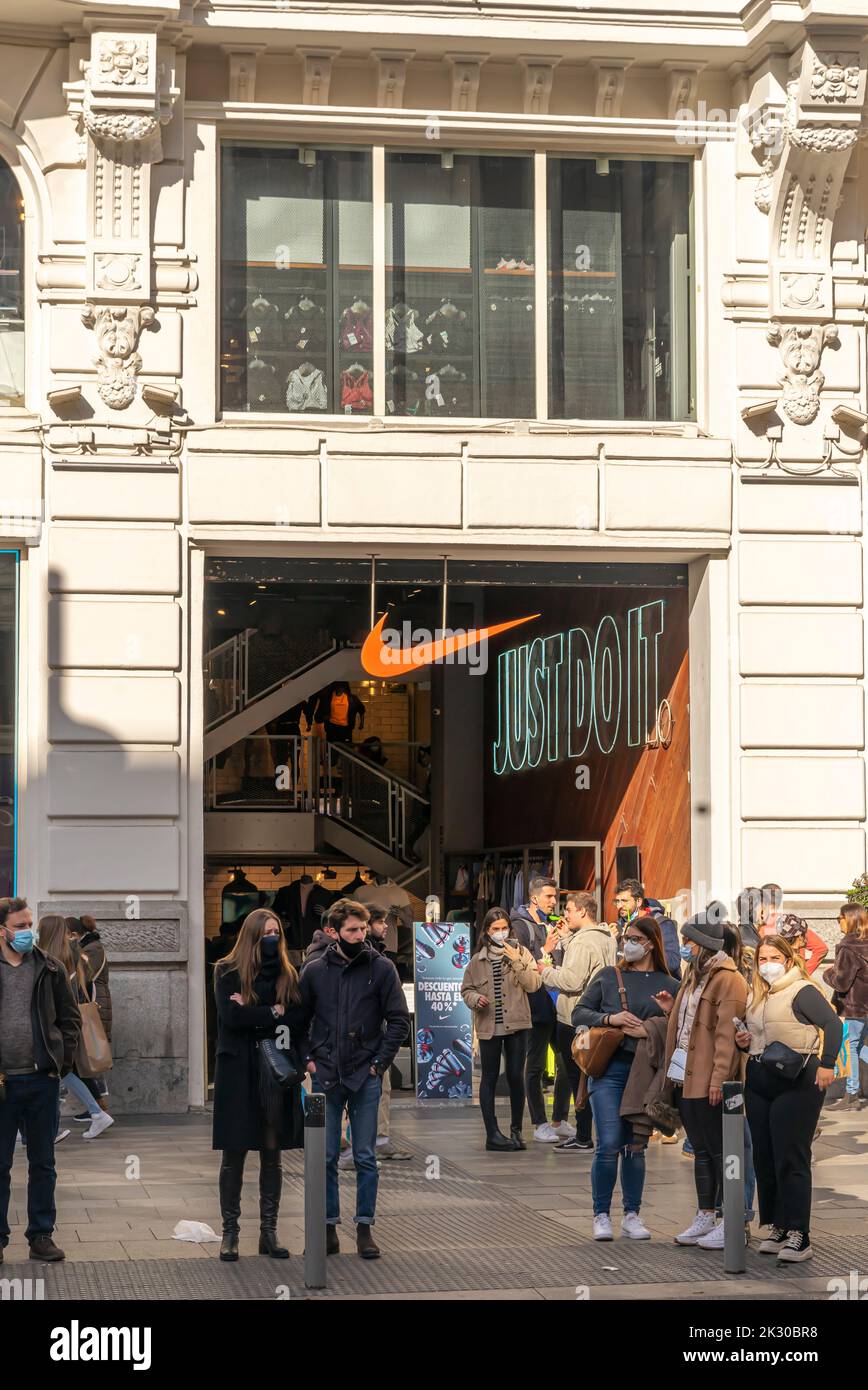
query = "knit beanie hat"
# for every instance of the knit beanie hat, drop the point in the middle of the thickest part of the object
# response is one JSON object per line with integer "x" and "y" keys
{"x": 706, "y": 928}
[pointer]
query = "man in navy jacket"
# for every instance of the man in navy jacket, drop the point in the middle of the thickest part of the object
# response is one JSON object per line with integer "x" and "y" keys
{"x": 357, "y": 1019}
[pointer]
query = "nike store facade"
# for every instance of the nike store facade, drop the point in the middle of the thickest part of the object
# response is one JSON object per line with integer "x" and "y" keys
{"x": 346, "y": 319}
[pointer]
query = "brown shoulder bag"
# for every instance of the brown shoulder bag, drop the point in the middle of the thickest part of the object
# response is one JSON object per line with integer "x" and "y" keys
{"x": 594, "y": 1048}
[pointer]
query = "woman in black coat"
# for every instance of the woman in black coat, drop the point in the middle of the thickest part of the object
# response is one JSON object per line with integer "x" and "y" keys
{"x": 256, "y": 990}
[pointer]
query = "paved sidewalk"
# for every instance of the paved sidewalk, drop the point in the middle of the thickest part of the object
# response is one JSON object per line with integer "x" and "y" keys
{"x": 454, "y": 1221}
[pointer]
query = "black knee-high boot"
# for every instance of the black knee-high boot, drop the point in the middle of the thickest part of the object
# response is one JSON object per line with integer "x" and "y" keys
{"x": 270, "y": 1182}
{"x": 231, "y": 1180}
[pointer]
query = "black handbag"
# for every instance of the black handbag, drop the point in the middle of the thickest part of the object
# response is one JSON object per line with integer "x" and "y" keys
{"x": 278, "y": 1066}
{"x": 785, "y": 1060}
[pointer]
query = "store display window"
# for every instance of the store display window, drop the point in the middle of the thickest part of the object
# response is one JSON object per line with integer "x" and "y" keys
{"x": 619, "y": 305}
{"x": 459, "y": 285}
{"x": 11, "y": 290}
{"x": 297, "y": 291}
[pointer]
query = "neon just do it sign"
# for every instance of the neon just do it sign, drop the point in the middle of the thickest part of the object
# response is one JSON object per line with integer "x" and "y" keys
{"x": 557, "y": 694}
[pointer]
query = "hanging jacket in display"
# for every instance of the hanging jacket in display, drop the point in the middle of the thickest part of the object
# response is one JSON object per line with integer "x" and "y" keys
{"x": 446, "y": 331}
{"x": 305, "y": 327}
{"x": 356, "y": 392}
{"x": 263, "y": 386}
{"x": 306, "y": 391}
{"x": 301, "y": 906}
{"x": 356, "y": 333}
{"x": 263, "y": 324}
{"x": 402, "y": 331}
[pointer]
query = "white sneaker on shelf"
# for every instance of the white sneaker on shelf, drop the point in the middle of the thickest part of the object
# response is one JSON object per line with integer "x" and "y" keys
{"x": 61, "y": 1134}
{"x": 703, "y": 1222}
{"x": 98, "y": 1124}
{"x": 545, "y": 1134}
{"x": 634, "y": 1227}
{"x": 563, "y": 1130}
{"x": 714, "y": 1239}
{"x": 603, "y": 1227}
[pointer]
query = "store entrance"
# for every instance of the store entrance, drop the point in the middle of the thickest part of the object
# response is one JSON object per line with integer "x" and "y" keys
{"x": 362, "y": 737}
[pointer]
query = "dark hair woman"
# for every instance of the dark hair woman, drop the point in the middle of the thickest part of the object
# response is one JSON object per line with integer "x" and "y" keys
{"x": 622, "y": 1003}
{"x": 496, "y": 985}
{"x": 256, "y": 990}
{"x": 848, "y": 977}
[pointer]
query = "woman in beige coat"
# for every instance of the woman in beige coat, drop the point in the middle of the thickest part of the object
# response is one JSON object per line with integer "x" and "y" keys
{"x": 495, "y": 986}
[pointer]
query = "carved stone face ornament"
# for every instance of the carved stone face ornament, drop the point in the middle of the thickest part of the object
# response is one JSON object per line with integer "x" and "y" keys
{"x": 801, "y": 348}
{"x": 117, "y": 333}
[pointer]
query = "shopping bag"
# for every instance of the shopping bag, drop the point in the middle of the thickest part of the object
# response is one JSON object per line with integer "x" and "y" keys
{"x": 94, "y": 1054}
{"x": 844, "y": 1061}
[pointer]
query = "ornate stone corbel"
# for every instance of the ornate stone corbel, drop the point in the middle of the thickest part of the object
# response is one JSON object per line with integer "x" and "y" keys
{"x": 317, "y": 74}
{"x": 801, "y": 348}
{"x": 126, "y": 96}
{"x": 242, "y": 70}
{"x": 539, "y": 75}
{"x": 611, "y": 80}
{"x": 466, "y": 74}
{"x": 118, "y": 330}
{"x": 391, "y": 75}
{"x": 683, "y": 88}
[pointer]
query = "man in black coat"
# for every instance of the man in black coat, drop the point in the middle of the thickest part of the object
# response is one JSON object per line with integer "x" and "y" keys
{"x": 40, "y": 1026}
{"x": 353, "y": 1002}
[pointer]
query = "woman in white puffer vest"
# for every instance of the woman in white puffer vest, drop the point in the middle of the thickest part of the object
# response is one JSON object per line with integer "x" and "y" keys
{"x": 788, "y": 1073}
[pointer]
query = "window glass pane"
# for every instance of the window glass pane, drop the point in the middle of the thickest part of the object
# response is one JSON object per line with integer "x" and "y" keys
{"x": 297, "y": 281}
{"x": 619, "y": 323}
{"x": 11, "y": 289}
{"x": 8, "y": 670}
{"x": 459, "y": 285}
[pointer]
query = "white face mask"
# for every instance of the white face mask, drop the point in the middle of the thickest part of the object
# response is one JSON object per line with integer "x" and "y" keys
{"x": 499, "y": 936}
{"x": 634, "y": 950}
{"x": 772, "y": 970}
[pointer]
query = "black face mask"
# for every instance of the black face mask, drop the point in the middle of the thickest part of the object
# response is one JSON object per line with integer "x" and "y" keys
{"x": 350, "y": 948}
{"x": 269, "y": 947}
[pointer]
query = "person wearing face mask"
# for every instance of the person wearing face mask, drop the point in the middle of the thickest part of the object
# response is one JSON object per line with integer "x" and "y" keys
{"x": 257, "y": 996}
{"x": 787, "y": 1076}
{"x": 356, "y": 1018}
{"x": 622, "y": 997}
{"x": 40, "y": 1027}
{"x": 496, "y": 986}
{"x": 531, "y": 926}
{"x": 588, "y": 947}
{"x": 701, "y": 1054}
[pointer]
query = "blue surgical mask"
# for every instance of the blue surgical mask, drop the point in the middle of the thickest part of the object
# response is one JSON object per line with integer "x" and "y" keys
{"x": 22, "y": 941}
{"x": 685, "y": 952}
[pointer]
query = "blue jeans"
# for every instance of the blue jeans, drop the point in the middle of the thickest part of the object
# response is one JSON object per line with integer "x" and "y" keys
{"x": 75, "y": 1084}
{"x": 362, "y": 1106}
{"x": 31, "y": 1104}
{"x": 854, "y": 1027}
{"x": 614, "y": 1136}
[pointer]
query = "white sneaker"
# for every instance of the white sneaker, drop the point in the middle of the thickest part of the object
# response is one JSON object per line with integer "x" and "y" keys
{"x": 714, "y": 1239}
{"x": 563, "y": 1130}
{"x": 703, "y": 1223}
{"x": 634, "y": 1227}
{"x": 603, "y": 1227}
{"x": 546, "y": 1134}
{"x": 100, "y": 1122}
{"x": 63, "y": 1134}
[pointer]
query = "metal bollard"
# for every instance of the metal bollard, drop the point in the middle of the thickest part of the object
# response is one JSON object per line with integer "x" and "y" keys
{"x": 314, "y": 1191}
{"x": 733, "y": 1177}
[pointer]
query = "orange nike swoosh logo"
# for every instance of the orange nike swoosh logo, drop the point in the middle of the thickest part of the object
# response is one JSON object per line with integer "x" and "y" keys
{"x": 380, "y": 660}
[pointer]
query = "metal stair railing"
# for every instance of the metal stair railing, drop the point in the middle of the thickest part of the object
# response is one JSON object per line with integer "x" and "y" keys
{"x": 379, "y": 806}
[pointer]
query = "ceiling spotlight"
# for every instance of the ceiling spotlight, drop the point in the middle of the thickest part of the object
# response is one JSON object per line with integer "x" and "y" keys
{"x": 602, "y": 164}
{"x": 306, "y": 157}
{"x": 758, "y": 410}
{"x": 447, "y": 160}
{"x": 849, "y": 416}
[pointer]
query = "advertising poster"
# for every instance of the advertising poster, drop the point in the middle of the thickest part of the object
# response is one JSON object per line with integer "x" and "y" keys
{"x": 444, "y": 1060}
